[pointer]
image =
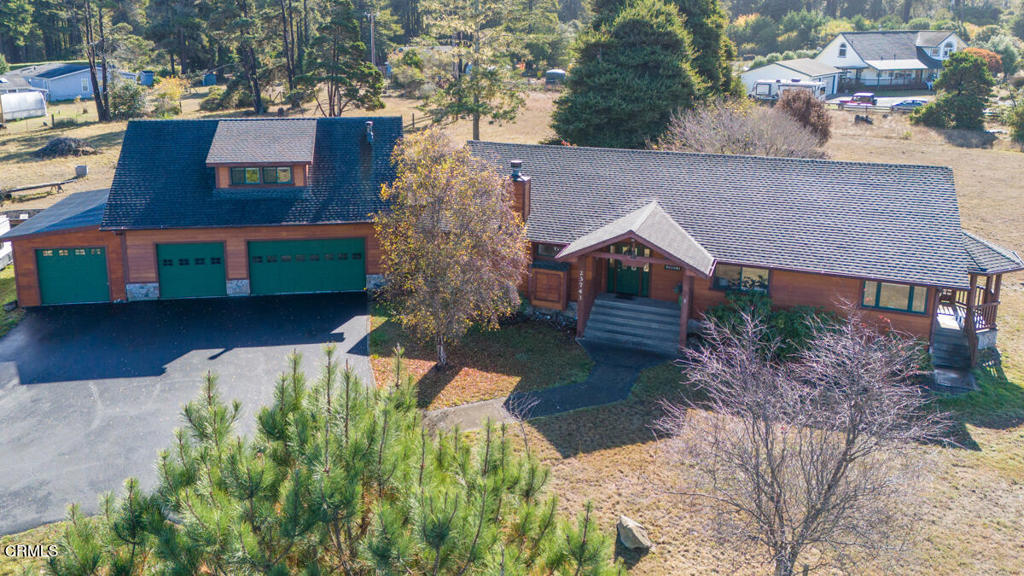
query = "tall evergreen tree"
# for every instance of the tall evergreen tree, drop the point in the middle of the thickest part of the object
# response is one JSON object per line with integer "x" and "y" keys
{"x": 15, "y": 26}
{"x": 338, "y": 63}
{"x": 631, "y": 75}
{"x": 242, "y": 26}
{"x": 481, "y": 83}
{"x": 712, "y": 51}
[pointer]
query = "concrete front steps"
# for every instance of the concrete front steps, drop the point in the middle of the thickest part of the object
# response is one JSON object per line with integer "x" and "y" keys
{"x": 637, "y": 323}
{"x": 950, "y": 349}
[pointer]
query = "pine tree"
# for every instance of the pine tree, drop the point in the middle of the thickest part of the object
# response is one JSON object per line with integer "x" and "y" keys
{"x": 338, "y": 63}
{"x": 711, "y": 50}
{"x": 339, "y": 478}
{"x": 631, "y": 75}
{"x": 481, "y": 83}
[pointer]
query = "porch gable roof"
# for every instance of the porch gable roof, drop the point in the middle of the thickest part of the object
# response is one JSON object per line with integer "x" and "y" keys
{"x": 656, "y": 229}
{"x": 988, "y": 258}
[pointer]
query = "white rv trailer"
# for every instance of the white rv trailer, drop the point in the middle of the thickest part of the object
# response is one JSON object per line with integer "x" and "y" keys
{"x": 772, "y": 90}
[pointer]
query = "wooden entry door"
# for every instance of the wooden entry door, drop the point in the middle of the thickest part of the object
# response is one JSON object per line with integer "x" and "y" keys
{"x": 625, "y": 279}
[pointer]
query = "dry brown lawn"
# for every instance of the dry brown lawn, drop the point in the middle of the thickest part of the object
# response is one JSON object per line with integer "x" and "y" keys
{"x": 972, "y": 505}
{"x": 520, "y": 357}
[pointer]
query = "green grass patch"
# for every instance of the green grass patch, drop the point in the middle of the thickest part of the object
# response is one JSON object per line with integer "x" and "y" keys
{"x": 43, "y": 535}
{"x": 8, "y": 293}
{"x": 998, "y": 401}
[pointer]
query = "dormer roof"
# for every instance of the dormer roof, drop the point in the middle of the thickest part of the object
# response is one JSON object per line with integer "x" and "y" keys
{"x": 163, "y": 180}
{"x": 263, "y": 141}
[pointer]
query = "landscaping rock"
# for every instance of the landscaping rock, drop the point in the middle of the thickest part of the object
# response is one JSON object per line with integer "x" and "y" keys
{"x": 64, "y": 146}
{"x": 632, "y": 534}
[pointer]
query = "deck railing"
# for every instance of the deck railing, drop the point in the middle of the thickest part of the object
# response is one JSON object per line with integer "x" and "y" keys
{"x": 985, "y": 316}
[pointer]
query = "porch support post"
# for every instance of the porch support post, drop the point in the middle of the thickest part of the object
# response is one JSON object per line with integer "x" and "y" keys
{"x": 585, "y": 294}
{"x": 684, "y": 306}
{"x": 969, "y": 322}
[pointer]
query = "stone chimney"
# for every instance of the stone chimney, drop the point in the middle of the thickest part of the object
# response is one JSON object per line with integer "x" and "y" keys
{"x": 520, "y": 190}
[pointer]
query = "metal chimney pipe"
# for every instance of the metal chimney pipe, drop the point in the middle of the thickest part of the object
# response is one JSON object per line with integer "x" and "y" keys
{"x": 517, "y": 167}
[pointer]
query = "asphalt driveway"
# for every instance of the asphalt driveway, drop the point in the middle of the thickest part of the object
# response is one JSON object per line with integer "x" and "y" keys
{"x": 90, "y": 394}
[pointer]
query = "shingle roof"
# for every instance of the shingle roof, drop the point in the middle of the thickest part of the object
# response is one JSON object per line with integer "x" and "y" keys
{"x": 56, "y": 70}
{"x": 929, "y": 38}
{"x": 656, "y": 229}
{"x": 162, "y": 180}
{"x": 988, "y": 258}
{"x": 288, "y": 141}
{"x": 78, "y": 210}
{"x": 891, "y": 45}
{"x": 883, "y": 221}
{"x": 809, "y": 67}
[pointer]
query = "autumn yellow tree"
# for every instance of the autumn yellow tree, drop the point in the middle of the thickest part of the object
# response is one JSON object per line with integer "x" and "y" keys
{"x": 454, "y": 250}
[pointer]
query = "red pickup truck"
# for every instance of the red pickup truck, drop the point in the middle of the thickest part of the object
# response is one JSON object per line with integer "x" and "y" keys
{"x": 859, "y": 100}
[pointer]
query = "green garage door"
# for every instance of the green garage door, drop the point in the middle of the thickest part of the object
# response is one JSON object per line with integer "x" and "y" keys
{"x": 191, "y": 270}
{"x": 72, "y": 275}
{"x": 302, "y": 266}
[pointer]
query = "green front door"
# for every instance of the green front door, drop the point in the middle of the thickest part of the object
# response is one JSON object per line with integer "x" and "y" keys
{"x": 624, "y": 279}
{"x": 72, "y": 275}
{"x": 304, "y": 266}
{"x": 191, "y": 270}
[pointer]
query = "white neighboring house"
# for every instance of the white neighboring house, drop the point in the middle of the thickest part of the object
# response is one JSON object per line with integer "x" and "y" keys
{"x": 890, "y": 58}
{"x": 800, "y": 69}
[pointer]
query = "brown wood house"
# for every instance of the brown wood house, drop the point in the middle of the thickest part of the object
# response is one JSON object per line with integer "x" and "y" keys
{"x": 636, "y": 244}
{"x": 208, "y": 208}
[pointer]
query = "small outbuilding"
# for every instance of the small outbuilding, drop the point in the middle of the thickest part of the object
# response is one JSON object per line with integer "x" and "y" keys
{"x": 799, "y": 69}
{"x": 20, "y": 105}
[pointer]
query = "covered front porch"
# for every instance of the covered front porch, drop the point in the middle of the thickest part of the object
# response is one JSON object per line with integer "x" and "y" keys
{"x": 966, "y": 320}
{"x": 635, "y": 281}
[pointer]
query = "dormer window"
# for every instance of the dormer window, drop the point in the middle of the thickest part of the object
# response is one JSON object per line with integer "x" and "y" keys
{"x": 264, "y": 153}
{"x": 842, "y": 50}
{"x": 254, "y": 175}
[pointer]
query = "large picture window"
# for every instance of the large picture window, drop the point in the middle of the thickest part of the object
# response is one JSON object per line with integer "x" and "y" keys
{"x": 898, "y": 297}
{"x": 249, "y": 175}
{"x": 729, "y": 277}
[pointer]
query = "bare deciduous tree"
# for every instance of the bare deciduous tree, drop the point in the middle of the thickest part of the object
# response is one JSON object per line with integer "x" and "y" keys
{"x": 814, "y": 454}
{"x": 733, "y": 127}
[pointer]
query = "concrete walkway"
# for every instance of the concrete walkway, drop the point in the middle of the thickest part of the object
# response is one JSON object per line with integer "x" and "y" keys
{"x": 611, "y": 380}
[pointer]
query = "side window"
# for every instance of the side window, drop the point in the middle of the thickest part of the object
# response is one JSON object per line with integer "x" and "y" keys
{"x": 842, "y": 50}
{"x": 729, "y": 277}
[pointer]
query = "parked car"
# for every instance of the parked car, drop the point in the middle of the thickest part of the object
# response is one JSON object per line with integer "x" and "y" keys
{"x": 908, "y": 105}
{"x": 859, "y": 100}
